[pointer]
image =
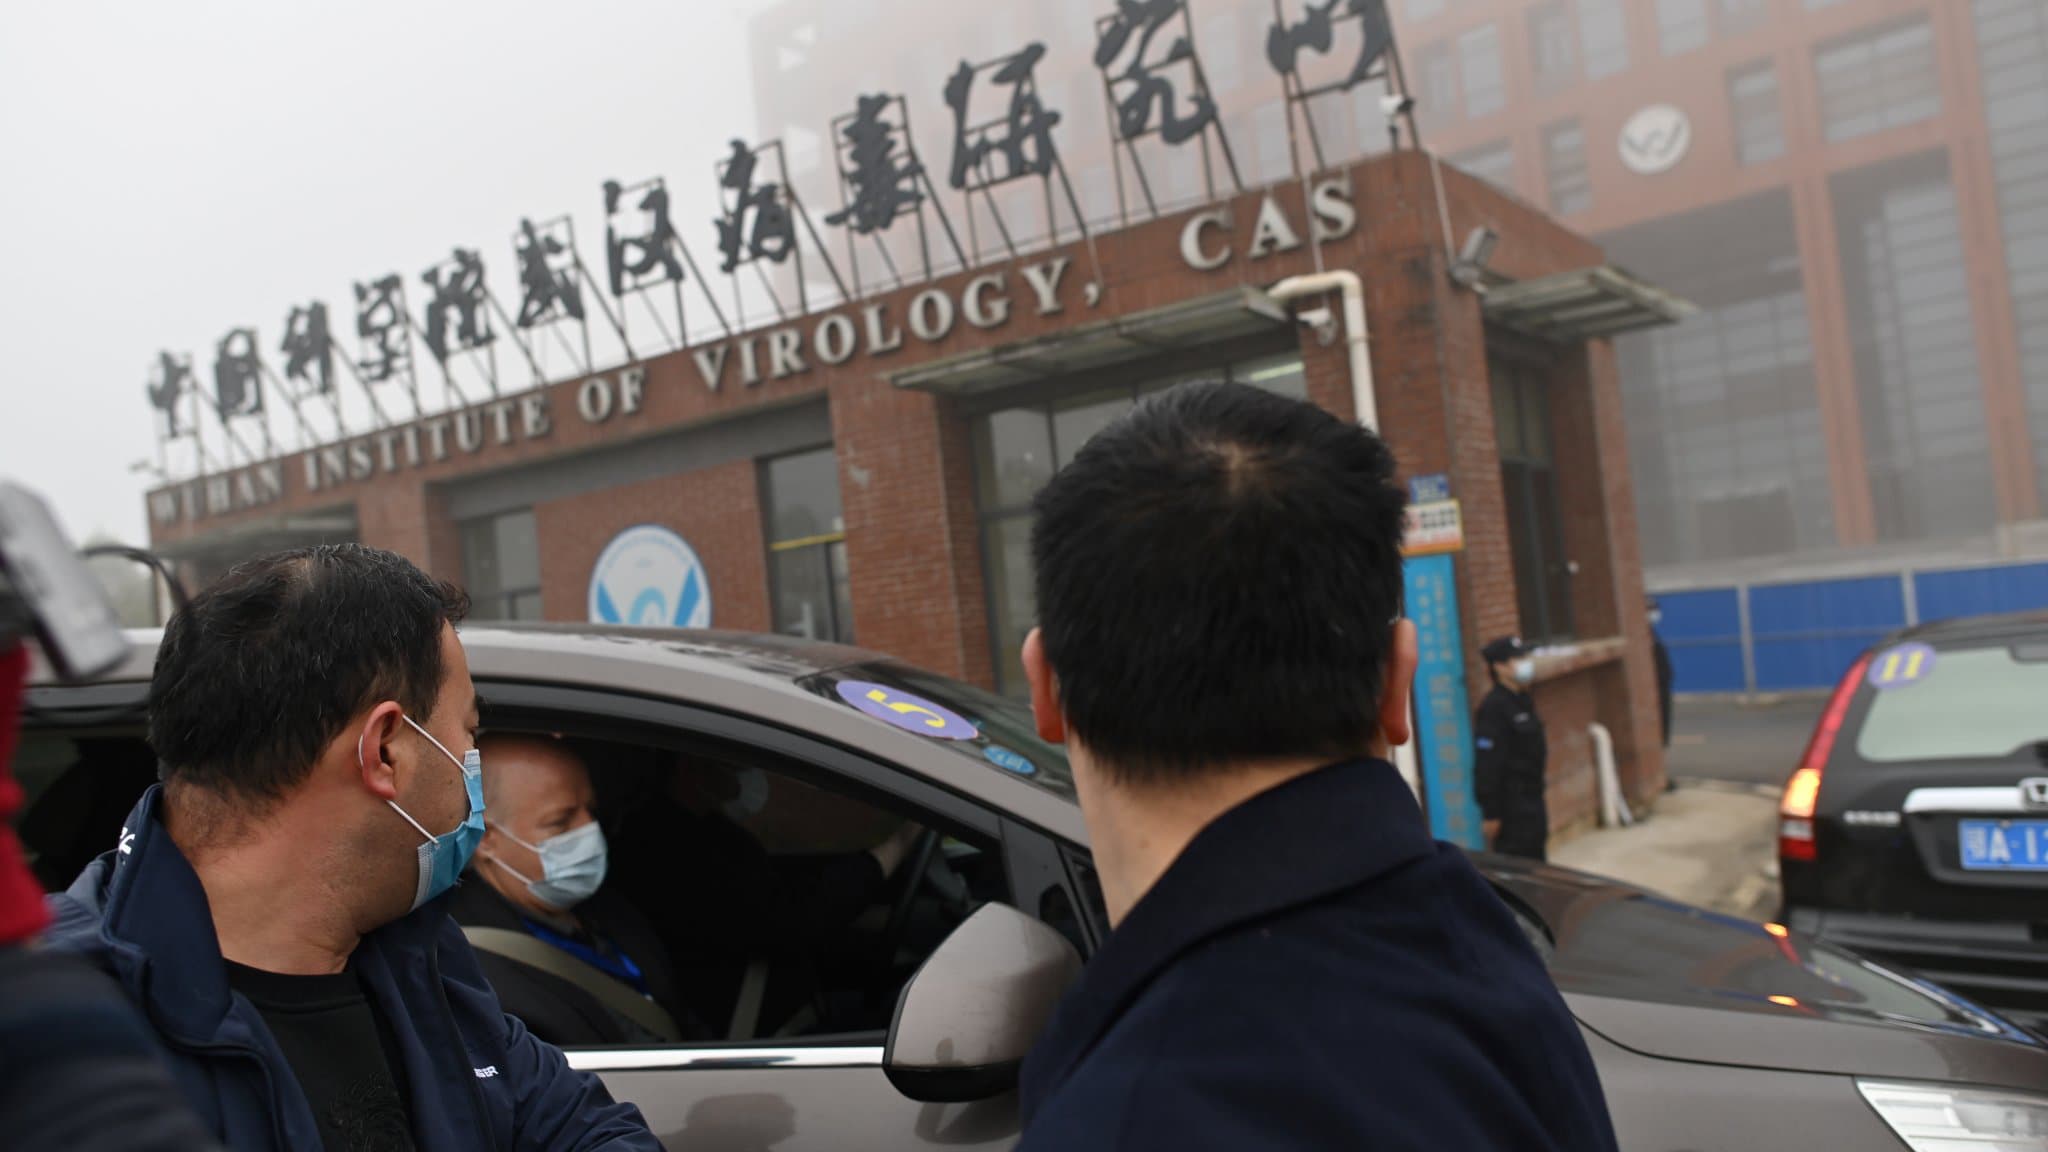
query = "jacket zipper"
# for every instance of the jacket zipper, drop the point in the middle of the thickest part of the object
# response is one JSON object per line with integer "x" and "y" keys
{"x": 483, "y": 1110}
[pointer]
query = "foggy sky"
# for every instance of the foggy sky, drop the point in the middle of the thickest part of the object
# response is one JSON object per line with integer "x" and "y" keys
{"x": 176, "y": 170}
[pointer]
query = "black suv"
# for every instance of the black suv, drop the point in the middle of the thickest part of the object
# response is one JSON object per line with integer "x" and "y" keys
{"x": 1915, "y": 828}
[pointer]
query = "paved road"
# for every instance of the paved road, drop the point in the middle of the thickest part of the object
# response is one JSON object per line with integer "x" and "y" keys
{"x": 1709, "y": 844}
{"x": 1717, "y": 739}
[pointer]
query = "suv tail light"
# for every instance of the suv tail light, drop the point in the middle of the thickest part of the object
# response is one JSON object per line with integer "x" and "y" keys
{"x": 1795, "y": 810}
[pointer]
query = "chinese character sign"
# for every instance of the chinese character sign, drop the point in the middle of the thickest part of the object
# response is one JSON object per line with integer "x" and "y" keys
{"x": 1443, "y": 721}
{"x": 882, "y": 182}
{"x": 757, "y": 224}
{"x": 1316, "y": 32}
{"x": 1144, "y": 86}
{"x": 457, "y": 292}
{"x": 380, "y": 324}
{"x": 630, "y": 259}
{"x": 308, "y": 349}
{"x": 167, "y": 388}
{"x": 1012, "y": 146}
{"x": 547, "y": 285}
{"x": 237, "y": 375}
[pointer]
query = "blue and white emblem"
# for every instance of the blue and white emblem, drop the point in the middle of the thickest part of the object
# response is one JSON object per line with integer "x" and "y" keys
{"x": 650, "y": 577}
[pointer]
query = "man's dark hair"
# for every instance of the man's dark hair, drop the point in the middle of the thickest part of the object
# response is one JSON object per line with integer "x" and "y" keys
{"x": 263, "y": 669}
{"x": 1218, "y": 574}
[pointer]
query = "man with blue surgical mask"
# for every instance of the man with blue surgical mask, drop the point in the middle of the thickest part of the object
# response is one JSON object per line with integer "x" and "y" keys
{"x": 278, "y": 906}
{"x": 571, "y": 959}
{"x": 1511, "y": 754}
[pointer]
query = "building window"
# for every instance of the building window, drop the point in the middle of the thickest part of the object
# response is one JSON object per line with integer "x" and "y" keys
{"x": 1725, "y": 447}
{"x": 1424, "y": 9}
{"x": 1479, "y": 64}
{"x": 1682, "y": 26}
{"x": 1753, "y": 102}
{"x": 1603, "y": 35}
{"x": 1493, "y": 163}
{"x": 1553, "y": 51}
{"x": 1437, "y": 102}
{"x": 1564, "y": 168}
{"x": 2012, "y": 41}
{"x": 501, "y": 566}
{"x": 807, "y": 546}
{"x": 1528, "y": 478}
{"x": 1740, "y": 16}
{"x": 1017, "y": 449}
{"x": 1877, "y": 80}
{"x": 1906, "y": 288}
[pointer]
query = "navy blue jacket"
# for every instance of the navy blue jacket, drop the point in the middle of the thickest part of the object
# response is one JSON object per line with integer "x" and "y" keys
{"x": 1315, "y": 972}
{"x": 478, "y": 1079}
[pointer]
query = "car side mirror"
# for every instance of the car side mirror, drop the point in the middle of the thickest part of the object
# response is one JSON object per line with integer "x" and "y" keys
{"x": 966, "y": 1020}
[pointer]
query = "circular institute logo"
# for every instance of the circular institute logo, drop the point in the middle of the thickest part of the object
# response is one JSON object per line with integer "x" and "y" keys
{"x": 650, "y": 576}
{"x": 1655, "y": 139}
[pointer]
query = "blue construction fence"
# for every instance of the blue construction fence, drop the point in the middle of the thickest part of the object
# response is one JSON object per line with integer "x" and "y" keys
{"x": 1789, "y": 637}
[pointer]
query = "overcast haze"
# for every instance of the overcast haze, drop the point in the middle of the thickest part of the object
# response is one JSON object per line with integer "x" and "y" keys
{"x": 177, "y": 170}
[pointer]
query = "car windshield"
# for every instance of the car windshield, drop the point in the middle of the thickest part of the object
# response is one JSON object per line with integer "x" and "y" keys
{"x": 1005, "y": 735}
{"x": 1967, "y": 704}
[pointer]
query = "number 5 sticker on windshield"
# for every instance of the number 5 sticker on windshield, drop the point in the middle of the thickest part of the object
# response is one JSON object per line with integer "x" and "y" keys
{"x": 1900, "y": 666}
{"x": 906, "y": 711}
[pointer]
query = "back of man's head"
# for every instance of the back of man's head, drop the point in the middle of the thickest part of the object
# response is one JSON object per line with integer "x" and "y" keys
{"x": 1218, "y": 573}
{"x": 272, "y": 661}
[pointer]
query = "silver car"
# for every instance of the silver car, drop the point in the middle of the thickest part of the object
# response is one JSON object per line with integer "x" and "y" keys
{"x": 1709, "y": 1032}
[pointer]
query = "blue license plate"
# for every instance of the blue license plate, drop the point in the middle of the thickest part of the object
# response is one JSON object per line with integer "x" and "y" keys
{"x": 2004, "y": 845}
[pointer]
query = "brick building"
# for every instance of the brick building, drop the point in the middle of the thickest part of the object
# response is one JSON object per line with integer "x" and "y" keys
{"x": 862, "y": 472}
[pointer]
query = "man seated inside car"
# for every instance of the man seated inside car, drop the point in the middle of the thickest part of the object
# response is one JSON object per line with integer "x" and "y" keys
{"x": 578, "y": 965}
{"x": 755, "y": 936}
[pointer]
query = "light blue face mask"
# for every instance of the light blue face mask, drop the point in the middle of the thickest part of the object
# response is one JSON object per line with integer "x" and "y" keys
{"x": 442, "y": 858}
{"x": 572, "y": 865}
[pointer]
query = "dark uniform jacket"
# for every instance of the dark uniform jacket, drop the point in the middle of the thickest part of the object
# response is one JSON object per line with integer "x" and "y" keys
{"x": 554, "y": 1009}
{"x": 1508, "y": 766}
{"x": 1314, "y": 972}
{"x": 478, "y": 1079}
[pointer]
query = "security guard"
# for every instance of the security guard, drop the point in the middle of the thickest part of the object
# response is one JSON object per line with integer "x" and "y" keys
{"x": 1508, "y": 770}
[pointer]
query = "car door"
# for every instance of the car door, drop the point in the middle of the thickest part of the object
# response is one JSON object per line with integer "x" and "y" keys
{"x": 826, "y": 1092}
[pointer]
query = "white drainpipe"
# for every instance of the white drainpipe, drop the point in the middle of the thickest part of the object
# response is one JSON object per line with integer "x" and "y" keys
{"x": 1294, "y": 287}
{"x": 1363, "y": 401}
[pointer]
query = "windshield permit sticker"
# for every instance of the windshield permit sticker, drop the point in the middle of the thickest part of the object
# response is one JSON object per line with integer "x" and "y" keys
{"x": 906, "y": 711}
{"x": 1901, "y": 666}
{"x": 1008, "y": 761}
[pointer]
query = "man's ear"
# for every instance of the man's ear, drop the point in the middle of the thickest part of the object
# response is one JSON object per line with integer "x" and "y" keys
{"x": 374, "y": 749}
{"x": 1397, "y": 682}
{"x": 1045, "y": 691}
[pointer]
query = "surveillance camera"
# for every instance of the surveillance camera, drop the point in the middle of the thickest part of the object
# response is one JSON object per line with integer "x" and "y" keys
{"x": 1319, "y": 319}
{"x": 1396, "y": 104}
{"x": 1479, "y": 246}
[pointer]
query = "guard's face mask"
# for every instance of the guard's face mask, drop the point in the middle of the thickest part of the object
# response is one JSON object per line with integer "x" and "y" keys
{"x": 572, "y": 865}
{"x": 442, "y": 858}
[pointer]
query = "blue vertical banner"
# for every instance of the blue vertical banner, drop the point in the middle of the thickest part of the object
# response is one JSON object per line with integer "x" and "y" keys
{"x": 1443, "y": 717}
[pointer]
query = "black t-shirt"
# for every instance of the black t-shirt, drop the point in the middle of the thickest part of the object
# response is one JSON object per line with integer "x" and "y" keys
{"x": 341, "y": 1049}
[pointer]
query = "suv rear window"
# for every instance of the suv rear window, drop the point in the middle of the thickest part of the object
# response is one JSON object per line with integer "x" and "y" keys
{"x": 1974, "y": 703}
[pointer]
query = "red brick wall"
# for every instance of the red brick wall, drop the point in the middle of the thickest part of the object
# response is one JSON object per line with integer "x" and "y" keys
{"x": 716, "y": 510}
{"x": 906, "y": 484}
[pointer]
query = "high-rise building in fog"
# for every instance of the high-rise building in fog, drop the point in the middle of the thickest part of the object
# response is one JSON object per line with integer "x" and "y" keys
{"x": 1855, "y": 193}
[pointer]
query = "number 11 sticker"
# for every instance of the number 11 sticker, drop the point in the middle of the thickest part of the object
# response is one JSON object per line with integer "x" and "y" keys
{"x": 1901, "y": 666}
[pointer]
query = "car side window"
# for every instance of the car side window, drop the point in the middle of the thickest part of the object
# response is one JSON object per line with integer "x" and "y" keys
{"x": 774, "y": 890}
{"x": 79, "y": 783}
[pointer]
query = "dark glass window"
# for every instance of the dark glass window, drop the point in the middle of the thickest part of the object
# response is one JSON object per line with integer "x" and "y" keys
{"x": 1016, "y": 451}
{"x": 1553, "y": 48}
{"x": 1528, "y": 476}
{"x": 807, "y": 546}
{"x": 2012, "y": 43}
{"x": 1907, "y": 293}
{"x": 1603, "y": 34}
{"x": 1564, "y": 168}
{"x": 501, "y": 566}
{"x": 1876, "y": 80}
{"x": 1479, "y": 65}
{"x": 1682, "y": 25}
{"x": 1759, "y": 125}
